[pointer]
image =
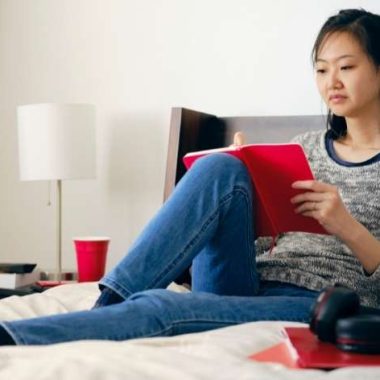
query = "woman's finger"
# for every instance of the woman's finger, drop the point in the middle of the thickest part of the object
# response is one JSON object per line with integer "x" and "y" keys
{"x": 313, "y": 185}
{"x": 309, "y": 196}
{"x": 239, "y": 139}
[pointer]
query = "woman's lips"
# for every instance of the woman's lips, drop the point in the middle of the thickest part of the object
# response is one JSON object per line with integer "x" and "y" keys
{"x": 336, "y": 99}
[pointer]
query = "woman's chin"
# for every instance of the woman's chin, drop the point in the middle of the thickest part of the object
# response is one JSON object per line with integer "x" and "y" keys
{"x": 340, "y": 111}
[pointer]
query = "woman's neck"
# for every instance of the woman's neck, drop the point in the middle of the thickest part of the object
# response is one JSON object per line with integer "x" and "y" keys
{"x": 362, "y": 134}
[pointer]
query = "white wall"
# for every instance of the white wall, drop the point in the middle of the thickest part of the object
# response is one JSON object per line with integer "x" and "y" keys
{"x": 135, "y": 60}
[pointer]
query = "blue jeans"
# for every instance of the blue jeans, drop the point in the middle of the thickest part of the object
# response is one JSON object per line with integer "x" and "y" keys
{"x": 207, "y": 222}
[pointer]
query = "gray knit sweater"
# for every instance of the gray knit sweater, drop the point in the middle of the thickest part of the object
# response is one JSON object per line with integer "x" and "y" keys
{"x": 317, "y": 261}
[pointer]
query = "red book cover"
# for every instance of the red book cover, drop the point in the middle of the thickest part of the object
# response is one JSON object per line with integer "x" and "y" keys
{"x": 273, "y": 168}
{"x": 312, "y": 353}
{"x": 302, "y": 349}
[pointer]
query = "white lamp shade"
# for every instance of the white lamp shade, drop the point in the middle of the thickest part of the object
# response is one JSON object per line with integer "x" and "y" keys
{"x": 56, "y": 141}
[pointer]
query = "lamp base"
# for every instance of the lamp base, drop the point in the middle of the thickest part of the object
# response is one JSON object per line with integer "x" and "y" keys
{"x": 54, "y": 276}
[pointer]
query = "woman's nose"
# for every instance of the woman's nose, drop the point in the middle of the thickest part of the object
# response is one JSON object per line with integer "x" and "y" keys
{"x": 334, "y": 80}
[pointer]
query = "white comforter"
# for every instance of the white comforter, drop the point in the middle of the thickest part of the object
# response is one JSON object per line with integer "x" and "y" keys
{"x": 218, "y": 354}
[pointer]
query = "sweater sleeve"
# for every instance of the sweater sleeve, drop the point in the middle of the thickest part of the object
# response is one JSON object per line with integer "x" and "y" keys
{"x": 375, "y": 276}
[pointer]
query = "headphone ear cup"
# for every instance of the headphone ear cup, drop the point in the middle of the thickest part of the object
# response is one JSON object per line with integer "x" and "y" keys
{"x": 316, "y": 309}
{"x": 359, "y": 334}
{"x": 332, "y": 304}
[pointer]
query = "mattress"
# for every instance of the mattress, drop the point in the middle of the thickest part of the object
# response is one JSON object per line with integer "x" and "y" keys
{"x": 218, "y": 354}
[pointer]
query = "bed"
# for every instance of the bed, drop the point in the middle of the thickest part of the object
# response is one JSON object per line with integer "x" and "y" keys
{"x": 218, "y": 354}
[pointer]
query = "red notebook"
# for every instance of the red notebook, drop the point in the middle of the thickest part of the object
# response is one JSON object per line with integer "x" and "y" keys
{"x": 273, "y": 168}
{"x": 312, "y": 353}
{"x": 304, "y": 350}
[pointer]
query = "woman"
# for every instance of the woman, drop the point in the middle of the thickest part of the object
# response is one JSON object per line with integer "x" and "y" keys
{"x": 208, "y": 222}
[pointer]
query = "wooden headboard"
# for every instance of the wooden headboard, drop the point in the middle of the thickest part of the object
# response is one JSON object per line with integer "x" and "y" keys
{"x": 192, "y": 130}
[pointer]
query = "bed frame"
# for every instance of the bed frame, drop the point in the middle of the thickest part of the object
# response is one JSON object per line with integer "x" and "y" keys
{"x": 193, "y": 130}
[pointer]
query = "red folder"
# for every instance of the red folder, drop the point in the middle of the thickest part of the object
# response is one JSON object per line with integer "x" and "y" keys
{"x": 273, "y": 168}
{"x": 312, "y": 353}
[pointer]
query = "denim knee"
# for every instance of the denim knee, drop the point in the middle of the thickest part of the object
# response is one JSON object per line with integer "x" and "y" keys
{"x": 219, "y": 164}
{"x": 157, "y": 298}
{"x": 163, "y": 303}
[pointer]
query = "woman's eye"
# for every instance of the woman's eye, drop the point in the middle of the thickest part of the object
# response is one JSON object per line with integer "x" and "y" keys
{"x": 320, "y": 71}
{"x": 348, "y": 67}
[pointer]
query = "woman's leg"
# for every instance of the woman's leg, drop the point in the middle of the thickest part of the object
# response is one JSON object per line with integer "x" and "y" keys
{"x": 210, "y": 210}
{"x": 227, "y": 265}
{"x": 161, "y": 312}
{"x": 210, "y": 207}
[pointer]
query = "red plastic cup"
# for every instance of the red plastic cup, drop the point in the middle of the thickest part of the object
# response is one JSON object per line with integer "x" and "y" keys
{"x": 91, "y": 253}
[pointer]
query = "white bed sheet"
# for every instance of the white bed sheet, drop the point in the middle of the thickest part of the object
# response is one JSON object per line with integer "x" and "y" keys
{"x": 218, "y": 354}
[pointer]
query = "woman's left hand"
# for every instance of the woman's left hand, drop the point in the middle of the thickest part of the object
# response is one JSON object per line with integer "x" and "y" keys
{"x": 323, "y": 202}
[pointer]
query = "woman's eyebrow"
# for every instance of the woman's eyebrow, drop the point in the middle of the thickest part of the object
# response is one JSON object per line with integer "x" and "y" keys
{"x": 336, "y": 59}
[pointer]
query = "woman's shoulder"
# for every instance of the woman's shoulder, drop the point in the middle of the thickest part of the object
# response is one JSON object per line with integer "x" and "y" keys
{"x": 313, "y": 143}
{"x": 309, "y": 138}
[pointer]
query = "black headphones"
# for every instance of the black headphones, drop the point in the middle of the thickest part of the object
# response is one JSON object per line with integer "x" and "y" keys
{"x": 338, "y": 318}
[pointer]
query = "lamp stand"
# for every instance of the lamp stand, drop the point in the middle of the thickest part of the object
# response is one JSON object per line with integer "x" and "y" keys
{"x": 59, "y": 230}
{"x": 59, "y": 275}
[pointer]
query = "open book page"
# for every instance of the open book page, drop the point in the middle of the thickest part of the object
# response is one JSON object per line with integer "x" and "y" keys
{"x": 191, "y": 157}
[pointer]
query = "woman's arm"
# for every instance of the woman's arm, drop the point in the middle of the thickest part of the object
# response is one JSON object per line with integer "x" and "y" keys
{"x": 322, "y": 202}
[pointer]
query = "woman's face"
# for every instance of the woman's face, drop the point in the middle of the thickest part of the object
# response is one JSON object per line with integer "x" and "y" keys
{"x": 347, "y": 79}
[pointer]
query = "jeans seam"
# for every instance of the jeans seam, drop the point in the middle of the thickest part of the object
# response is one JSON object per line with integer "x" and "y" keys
{"x": 193, "y": 240}
{"x": 227, "y": 322}
{"x": 250, "y": 244}
{"x": 252, "y": 255}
